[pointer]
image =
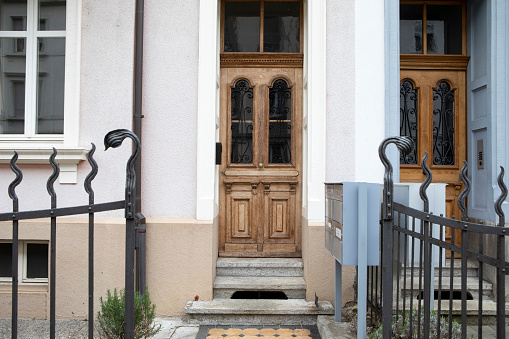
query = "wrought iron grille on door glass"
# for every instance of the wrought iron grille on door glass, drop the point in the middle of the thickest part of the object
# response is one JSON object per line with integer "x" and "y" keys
{"x": 408, "y": 110}
{"x": 242, "y": 123}
{"x": 443, "y": 124}
{"x": 280, "y": 123}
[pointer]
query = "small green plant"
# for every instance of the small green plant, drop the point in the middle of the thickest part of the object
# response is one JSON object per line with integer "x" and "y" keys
{"x": 111, "y": 317}
{"x": 401, "y": 327}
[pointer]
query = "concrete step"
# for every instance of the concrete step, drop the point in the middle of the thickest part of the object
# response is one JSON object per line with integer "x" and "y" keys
{"x": 293, "y": 287}
{"x": 472, "y": 286}
{"x": 257, "y": 267}
{"x": 257, "y": 311}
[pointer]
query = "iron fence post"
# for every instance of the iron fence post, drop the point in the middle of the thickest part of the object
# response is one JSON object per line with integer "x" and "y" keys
{"x": 53, "y": 242}
{"x": 501, "y": 258}
{"x": 427, "y": 232}
{"x": 404, "y": 145}
{"x": 90, "y": 191}
{"x": 114, "y": 139}
{"x": 15, "y": 208}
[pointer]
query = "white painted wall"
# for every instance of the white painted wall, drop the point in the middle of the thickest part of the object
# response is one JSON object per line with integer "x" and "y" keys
{"x": 355, "y": 90}
{"x": 340, "y": 91}
{"x": 170, "y": 105}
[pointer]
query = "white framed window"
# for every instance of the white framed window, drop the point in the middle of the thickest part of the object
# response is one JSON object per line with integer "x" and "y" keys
{"x": 32, "y": 47}
{"x": 33, "y": 262}
{"x": 39, "y": 82}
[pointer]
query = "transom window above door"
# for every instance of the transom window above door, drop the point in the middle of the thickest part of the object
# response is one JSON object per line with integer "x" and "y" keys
{"x": 262, "y": 26}
{"x": 443, "y": 25}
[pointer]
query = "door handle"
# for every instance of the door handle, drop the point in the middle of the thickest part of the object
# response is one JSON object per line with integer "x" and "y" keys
{"x": 260, "y": 165}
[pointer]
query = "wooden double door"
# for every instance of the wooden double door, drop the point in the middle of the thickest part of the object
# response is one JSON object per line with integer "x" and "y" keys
{"x": 433, "y": 113}
{"x": 260, "y": 185}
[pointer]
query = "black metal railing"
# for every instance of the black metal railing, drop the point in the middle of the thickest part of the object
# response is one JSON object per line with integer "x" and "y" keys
{"x": 112, "y": 139}
{"x": 429, "y": 284}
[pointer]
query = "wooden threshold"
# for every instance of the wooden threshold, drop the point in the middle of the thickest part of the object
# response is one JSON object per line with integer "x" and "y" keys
{"x": 225, "y": 254}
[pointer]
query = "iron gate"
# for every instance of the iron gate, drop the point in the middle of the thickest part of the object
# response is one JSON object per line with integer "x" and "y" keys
{"x": 404, "y": 292}
{"x": 113, "y": 139}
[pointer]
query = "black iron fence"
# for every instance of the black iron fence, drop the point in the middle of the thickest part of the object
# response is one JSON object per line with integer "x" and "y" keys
{"x": 112, "y": 139}
{"x": 431, "y": 286}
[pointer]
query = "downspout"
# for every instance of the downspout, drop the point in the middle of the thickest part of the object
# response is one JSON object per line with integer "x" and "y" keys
{"x": 138, "y": 116}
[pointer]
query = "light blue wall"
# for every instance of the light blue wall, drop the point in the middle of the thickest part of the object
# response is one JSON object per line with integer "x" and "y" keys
{"x": 487, "y": 110}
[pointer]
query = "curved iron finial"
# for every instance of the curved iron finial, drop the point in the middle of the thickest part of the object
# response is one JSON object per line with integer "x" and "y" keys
{"x": 405, "y": 145}
{"x": 53, "y": 178}
{"x": 15, "y": 182}
{"x": 424, "y": 186}
{"x": 463, "y": 195}
{"x": 91, "y": 175}
{"x": 501, "y": 198}
{"x": 114, "y": 139}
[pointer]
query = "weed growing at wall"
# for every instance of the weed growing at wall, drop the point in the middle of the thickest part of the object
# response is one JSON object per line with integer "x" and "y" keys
{"x": 401, "y": 327}
{"x": 112, "y": 314}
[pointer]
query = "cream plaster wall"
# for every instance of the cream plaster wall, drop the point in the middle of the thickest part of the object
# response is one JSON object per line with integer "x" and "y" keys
{"x": 319, "y": 266}
{"x": 72, "y": 267}
{"x": 181, "y": 263}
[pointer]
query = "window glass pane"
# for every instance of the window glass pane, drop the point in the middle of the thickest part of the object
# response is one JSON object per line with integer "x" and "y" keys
{"x": 280, "y": 123}
{"x": 242, "y": 123}
{"x": 444, "y": 29}
{"x": 13, "y": 15}
{"x": 281, "y": 27}
{"x": 50, "y": 86}
{"x": 410, "y": 29}
{"x": 51, "y": 15}
{"x": 5, "y": 260}
{"x": 242, "y": 27}
{"x": 12, "y": 86}
{"x": 37, "y": 261}
{"x": 408, "y": 118}
{"x": 443, "y": 124}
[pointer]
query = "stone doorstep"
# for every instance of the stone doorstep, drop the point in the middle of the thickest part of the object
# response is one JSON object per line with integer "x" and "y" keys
{"x": 226, "y": 286}
{"x": 260, "y": 283}
{"x": 489, "y": 306}
{"x": 260, "y": 262}
{"x": 472, "y": 284}
{"x": 258, "y": 306}
{"x": 258, "y": 267}
{"x": 257, "y": 311}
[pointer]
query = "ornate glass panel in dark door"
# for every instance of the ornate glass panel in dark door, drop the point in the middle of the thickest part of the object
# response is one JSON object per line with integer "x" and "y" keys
{"x": 280, "y": 123}
{"x": 408, "y": 118}
{"x": 443, "y": 124}
{"x": 241, "y": 123}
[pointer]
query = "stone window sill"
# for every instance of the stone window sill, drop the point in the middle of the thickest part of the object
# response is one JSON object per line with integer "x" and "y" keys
{"x": 67, "y": 158}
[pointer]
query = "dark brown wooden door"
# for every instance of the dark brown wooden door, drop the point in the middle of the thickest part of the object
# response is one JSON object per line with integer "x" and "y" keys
{"x": 260, "y": 191}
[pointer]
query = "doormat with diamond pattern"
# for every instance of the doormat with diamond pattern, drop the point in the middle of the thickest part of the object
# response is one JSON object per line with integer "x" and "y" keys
{"x": 255, "y": 332}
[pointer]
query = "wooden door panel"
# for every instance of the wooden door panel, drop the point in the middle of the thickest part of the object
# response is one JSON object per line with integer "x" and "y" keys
{"x": 279, "y": 212}
{"x": 241, "y": 213}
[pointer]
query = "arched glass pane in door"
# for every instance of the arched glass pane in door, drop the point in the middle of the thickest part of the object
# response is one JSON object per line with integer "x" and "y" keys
{"x": 408, "y": 118}
{"x": 241, "y": 123}
{"x": 280, "y": 123}
{"x": 443, "y": 124}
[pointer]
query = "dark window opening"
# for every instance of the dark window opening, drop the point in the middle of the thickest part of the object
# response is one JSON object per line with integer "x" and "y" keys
{"x": 259, "y": 295}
